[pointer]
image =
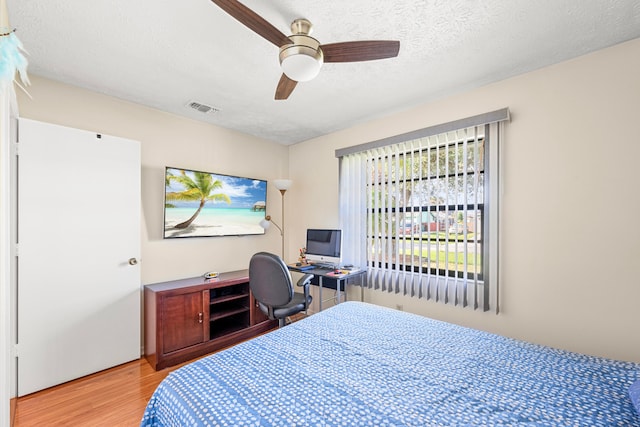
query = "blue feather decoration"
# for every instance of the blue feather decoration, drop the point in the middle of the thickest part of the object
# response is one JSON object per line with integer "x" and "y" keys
{"x": 12, "y": 59}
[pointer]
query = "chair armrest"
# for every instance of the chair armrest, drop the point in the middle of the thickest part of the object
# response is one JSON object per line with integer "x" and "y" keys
{"x": 305, "y": 280}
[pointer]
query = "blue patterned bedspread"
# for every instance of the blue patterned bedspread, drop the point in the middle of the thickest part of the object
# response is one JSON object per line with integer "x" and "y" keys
{"x": 358, "y": 364}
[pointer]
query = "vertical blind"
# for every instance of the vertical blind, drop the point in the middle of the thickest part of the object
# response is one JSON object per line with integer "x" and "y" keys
{"x": 420, "y": 211}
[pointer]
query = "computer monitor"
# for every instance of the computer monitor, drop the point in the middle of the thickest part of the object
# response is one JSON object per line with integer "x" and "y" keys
{"x": 324, "y": 246}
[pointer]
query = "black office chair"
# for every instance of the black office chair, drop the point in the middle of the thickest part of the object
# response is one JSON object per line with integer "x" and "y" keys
{"x": 272, "y": 287}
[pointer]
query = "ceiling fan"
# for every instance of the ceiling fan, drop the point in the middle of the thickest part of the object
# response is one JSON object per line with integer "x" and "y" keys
{"x": 301, "y": 56}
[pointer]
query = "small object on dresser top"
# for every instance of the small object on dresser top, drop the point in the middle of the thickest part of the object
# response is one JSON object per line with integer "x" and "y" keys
{"x": 210, "y": 275}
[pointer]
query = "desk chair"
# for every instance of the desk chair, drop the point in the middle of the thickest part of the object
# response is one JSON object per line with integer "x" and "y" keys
{"x": 271, "y": 284}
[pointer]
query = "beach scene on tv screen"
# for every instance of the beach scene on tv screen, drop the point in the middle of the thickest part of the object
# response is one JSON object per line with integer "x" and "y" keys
{"x": 203, "y": 204}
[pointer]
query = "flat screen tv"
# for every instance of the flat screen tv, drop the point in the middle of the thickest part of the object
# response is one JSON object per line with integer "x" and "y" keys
{"x": 205, "y": 204}
{"x": 324, "y": 246}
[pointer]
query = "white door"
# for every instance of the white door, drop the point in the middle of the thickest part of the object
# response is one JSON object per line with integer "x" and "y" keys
{"x": 78, "y": 246}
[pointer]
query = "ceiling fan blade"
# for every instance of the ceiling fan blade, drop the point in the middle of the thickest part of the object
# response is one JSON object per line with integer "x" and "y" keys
{"x": 285, "y": 87}
{"x": 253, "y": 21}
{"x": 360, "y": 50}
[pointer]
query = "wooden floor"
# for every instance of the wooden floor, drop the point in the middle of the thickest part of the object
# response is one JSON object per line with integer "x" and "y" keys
{"x": 115, "y": 397}
{"x": 112, "y": 398}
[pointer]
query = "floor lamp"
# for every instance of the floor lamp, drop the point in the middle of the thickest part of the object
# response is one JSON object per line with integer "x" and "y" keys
{"x": 283, "y": 185}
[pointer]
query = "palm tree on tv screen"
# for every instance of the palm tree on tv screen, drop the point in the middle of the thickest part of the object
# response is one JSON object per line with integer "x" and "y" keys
{"x": 200, "y": 188}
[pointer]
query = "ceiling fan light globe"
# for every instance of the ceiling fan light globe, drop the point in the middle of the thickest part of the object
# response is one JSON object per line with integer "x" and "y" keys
{"x": 300, "y": 67}
{"x": 301, "y": 61}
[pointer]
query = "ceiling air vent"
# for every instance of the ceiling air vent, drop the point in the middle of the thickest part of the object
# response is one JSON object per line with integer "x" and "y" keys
{"x": 203, "y": 108}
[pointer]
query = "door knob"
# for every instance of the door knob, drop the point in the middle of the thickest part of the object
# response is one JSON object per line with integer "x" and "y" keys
{"x": 133, "y": 261}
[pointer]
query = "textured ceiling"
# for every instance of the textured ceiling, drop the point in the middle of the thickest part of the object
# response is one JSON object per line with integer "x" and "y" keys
{"x": 165, "y": 53}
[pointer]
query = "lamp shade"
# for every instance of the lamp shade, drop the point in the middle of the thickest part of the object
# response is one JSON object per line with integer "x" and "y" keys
{"x": 265, "y": 223}
{"x": 282, "y": 184}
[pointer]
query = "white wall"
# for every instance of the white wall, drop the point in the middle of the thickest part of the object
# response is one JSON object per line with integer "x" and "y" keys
{"x": 569, "y": 234}
{"x": 169, "y": 140}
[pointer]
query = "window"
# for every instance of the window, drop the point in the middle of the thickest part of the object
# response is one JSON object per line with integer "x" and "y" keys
{"x": 421, "y": 212}
{"x": 426, "y": 204}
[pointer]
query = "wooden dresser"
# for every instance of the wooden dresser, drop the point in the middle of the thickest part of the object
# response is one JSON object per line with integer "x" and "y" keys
{"x": 188, "y": 318}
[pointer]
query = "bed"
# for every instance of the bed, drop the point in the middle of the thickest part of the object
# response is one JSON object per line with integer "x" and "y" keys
{"x": 358, "y": 364}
